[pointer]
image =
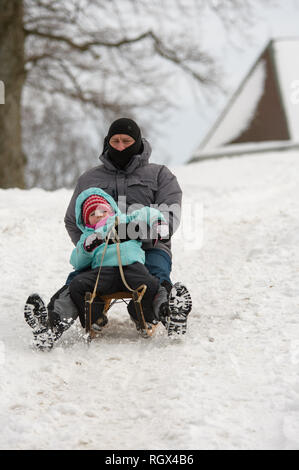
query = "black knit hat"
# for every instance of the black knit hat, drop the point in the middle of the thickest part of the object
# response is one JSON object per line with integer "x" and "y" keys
{"x": 124, "y": 126}
{"x": 121, "y": 158}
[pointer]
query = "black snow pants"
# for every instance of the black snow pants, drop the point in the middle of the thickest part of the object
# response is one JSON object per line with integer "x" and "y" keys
{"x": 109, "y": 282}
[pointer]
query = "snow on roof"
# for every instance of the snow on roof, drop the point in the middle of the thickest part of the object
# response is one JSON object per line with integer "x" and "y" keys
{"x": 239, "y": 116}
{"x": 269, "y": 90}
{"x": 287, "y": 65}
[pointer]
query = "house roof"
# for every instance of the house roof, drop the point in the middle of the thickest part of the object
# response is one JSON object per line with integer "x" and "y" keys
{"x": 264, "y": 110}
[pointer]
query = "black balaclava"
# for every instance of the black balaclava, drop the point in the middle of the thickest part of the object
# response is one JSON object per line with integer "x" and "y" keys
{"x": 120, "y": 159}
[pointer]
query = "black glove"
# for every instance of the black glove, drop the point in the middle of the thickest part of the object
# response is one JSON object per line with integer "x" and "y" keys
{"x": 160, "y": 231}
{"x": 92, "y": 241}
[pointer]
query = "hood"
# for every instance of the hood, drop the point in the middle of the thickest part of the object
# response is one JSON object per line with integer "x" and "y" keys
{"x": 84, "y": 195}
{"x": 135, "y": 162}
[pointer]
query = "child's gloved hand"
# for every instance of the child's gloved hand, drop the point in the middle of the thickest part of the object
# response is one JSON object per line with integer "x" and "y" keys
{"x": 92, "y": 241}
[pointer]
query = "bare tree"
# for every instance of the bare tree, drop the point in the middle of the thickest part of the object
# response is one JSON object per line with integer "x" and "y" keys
{"x": 61, "y": 146}
{"x": 12, "y": 74}
{"x": 110, "y": 57}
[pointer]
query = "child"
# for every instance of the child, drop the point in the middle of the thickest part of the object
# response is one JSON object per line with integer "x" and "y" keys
{"x": 96, "y": 213}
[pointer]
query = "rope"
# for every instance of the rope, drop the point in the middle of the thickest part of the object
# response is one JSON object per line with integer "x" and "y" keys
{"x": 143, "y": 287}
{"x": 100, "y": 267}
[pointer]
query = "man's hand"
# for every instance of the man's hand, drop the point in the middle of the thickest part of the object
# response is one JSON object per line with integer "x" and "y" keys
{"x": 160, "y": 231}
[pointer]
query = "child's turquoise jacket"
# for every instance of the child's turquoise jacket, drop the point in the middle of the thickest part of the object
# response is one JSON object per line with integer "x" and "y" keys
{"x": 131, "y": 251}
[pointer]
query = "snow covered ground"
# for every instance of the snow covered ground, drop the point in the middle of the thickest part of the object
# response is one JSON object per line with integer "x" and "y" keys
{"x": 231, "y": 383}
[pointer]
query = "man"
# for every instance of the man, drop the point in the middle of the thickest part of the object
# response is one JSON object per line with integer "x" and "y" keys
{"x": 127, "y": 175}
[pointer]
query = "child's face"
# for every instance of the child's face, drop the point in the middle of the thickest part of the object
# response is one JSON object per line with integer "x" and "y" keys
{"x": 97, "y": 215}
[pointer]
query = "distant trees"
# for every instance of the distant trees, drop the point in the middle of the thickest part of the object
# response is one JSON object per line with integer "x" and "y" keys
{"x": 78, "y": 62}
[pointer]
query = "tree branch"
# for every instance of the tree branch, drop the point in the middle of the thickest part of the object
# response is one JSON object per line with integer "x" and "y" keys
{"x": 88, "y": 44}
{"x": 163, "y": 51}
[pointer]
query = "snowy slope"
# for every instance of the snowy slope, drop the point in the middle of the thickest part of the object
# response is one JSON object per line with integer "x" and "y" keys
{"x": 231, "y": 383}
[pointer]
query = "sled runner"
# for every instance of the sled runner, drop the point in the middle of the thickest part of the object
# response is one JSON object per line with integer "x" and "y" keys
{"x": 94, "y": 323}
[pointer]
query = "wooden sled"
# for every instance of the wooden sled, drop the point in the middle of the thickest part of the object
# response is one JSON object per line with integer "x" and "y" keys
{"x": 109, "y": 300}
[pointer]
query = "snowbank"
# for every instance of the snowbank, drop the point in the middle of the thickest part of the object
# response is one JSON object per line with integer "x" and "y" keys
{"x": 231, "y": 383}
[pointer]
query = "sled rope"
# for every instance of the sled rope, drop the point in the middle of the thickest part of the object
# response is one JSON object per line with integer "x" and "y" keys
{"x": 143, "y": 287}
{"x": 93, "y": 295}
{"x": 137, "y": 296}
{"x": 99, "y": 272}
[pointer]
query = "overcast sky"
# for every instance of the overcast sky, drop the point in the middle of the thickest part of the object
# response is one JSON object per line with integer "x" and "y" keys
{"x": 191, "y": 123}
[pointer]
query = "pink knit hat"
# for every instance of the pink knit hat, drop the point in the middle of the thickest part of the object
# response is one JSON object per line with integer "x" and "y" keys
{"x": 92, "y": 203}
